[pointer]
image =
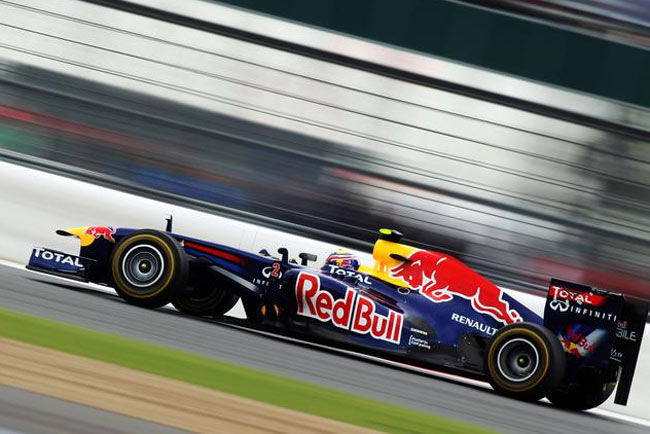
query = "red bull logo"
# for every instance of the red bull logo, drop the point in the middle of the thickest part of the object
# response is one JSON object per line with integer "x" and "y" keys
{"x": 440, "y": 278}
{"x": 105, "y": 232}
{"x": 575, "y": 341}
{"x": 354, "y": 312}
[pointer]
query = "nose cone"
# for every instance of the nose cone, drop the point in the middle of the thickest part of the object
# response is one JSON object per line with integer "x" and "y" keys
{"x": 85, "y": 238}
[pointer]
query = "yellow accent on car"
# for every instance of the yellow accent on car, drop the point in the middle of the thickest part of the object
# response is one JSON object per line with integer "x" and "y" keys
{"x": 384, "y": 263}
{"x": 84, "y": 238}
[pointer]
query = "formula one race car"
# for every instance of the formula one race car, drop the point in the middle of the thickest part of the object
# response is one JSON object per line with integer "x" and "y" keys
{"x": 413, "y": 305}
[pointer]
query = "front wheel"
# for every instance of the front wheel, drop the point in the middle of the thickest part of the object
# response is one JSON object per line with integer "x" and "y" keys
{"x": 525, "y": 361}
{"x": 148, "y": 268}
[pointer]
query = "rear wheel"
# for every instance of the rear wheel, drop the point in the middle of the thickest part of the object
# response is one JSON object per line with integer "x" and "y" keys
{"x": 148, "y": 268}
{"x": 591, "y": 389}
{"x": 525, "y": 361}
{"x": 207, "y": 300}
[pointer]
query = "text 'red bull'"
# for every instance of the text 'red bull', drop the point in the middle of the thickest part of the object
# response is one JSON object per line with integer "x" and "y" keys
{"x": 354, "y": 312}
{"x": 439, "y": 278}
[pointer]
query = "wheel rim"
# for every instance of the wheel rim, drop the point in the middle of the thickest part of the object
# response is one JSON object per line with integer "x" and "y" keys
{"x": 518, "y": 360}
{"x": 143, "y": 266}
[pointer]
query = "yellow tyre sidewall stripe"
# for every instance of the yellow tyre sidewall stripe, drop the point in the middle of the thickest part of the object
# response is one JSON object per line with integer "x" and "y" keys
{"x": 116, "y": 264}
{"x": 492, "y": 363}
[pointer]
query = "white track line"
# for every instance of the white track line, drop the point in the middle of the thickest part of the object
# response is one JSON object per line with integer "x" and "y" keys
{"x": 105, "y": 289}
{"x": 624, "y": 417}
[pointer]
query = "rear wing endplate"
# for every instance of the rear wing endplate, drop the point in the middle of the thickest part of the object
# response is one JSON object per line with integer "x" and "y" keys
{"x": 627, "y": 345}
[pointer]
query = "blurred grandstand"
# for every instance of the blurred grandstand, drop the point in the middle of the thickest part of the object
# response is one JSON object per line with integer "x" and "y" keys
{"x": 520, "y": 196}
{"x": 623, "y": 20}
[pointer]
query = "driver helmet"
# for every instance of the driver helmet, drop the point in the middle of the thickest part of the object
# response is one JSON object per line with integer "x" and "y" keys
{"x": 343, "y": 259}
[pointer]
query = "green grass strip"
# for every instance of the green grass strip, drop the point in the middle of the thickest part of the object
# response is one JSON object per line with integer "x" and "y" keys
{"x": 225, "y": 377}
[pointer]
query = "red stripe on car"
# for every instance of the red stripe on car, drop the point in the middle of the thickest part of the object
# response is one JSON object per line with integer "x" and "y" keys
{"x": 215, "y": 252}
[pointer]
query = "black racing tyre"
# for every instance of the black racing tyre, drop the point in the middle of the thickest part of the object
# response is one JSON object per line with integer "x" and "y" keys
{"x": 589, "y": 391}
{"x": 148, "y": 268}
{"x": 525, "y": 361}
{"x": 209, "y": 300}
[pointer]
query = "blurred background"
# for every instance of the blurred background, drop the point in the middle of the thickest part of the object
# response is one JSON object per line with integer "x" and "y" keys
{"x": 513, "y": 134}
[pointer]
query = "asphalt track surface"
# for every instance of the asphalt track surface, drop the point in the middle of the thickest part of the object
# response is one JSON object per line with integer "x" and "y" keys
{"x": 22, "y": 411}
{"x": 73, "y": 303}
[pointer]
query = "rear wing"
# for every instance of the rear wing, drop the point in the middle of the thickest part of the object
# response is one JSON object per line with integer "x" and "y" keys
{"x": 597, "y": 327}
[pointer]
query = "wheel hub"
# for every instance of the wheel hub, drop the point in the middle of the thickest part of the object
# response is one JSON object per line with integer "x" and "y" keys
{"x": 518, "y": 360}
{"x": 143, "y": 266}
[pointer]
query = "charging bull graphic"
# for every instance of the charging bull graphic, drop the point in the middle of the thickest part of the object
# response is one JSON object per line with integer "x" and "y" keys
{"x": 439, "y": 278}
{"x": 105, "y": 232}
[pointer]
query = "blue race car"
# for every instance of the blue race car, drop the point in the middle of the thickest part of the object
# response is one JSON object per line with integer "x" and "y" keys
{"x": 414, "y": 305}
